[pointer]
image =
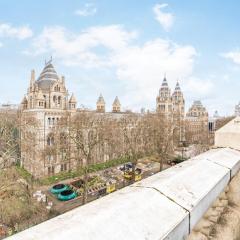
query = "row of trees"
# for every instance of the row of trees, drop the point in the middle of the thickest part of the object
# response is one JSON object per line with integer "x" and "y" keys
{"x": 88, "y": 138}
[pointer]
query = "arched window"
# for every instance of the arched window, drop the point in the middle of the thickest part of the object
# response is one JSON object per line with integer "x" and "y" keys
{"x": 59, "y": 100}
{"x": 55, "y": 100}
{"x": 50, "y": 140}
{"x": 57, "y": 88}
{"x": 63, "y": 139}
{"x": 45, "y": 101}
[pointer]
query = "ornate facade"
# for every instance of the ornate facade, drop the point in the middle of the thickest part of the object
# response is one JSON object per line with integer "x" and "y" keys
{"x": 47, "y": 101}
{"x": 197, "y": 124}
{"x": 172, "y": 106}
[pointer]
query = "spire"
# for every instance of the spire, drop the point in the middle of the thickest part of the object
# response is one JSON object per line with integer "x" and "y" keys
{"x": 32, "y": 78}
{"x": 63, "y": 80}
{"x": 100, "y": 104}
{"x": 100, "y": 100}
{"x": 116, "y": 101}
{"x": 164, "y": 91}
{"x": 72, "y": 99}
{"x": 177, "y": 87}
{"x": 164, "y": 83}
{"x": 24, "y": 101}
{"x": 116, "y": 106}
{"x": 48, "y": 62}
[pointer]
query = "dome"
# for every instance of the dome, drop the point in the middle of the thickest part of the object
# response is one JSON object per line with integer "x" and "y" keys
{"x": 47, "y": 77}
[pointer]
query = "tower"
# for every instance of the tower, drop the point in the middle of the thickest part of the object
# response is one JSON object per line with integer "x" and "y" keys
{"x": 32, "y": 80}
{"x": 178, "y": 115}
{"x": 100, "y": 104}
{"x": 116, "y": 106}
{"x": 24, "y": 103}
{"x": 178, "y": 101}
{"x": 45, "y": 103}
{"x": 164, "y": 99}
{"x": 72, "y": 102}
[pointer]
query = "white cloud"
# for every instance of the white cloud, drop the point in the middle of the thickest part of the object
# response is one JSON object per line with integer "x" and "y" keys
{"x": 82, "y": 48}
{"x": 89, "y": 9}
{"x": 142, "y": 68}
{"x": 234, "y": 56}
{"x": 198, "y": 88}
{"x": 1, "y": 44}
{"x": 23, "y": 32}
{"x": 139, "y": 68}
{"x": 166, "y": 19}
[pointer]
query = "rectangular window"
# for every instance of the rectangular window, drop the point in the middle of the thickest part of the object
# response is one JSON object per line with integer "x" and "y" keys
{"x": 49, "y": 170}
{"x": 63, "y": 167}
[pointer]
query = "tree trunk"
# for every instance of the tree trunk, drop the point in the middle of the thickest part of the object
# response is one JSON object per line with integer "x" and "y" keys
{"x": 85, "y": 189}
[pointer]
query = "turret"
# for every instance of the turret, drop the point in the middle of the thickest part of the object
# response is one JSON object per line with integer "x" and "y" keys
{"x": 116, "y": 106}
{"x": 178, "y": 101}
{"x": 32, "y": 81}
{"x": 72, "y": 102}
{"x": 100, "y": 104}
{"x": 63, "y": 80}
{"x": 165, "y": 91}
{"x": 164, "y": 99}
{"x": 24, "y": 103}
{"x": 177, "y": 95}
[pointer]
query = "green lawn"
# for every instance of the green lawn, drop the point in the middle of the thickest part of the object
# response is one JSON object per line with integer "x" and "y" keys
{"x": 91, "y": 168}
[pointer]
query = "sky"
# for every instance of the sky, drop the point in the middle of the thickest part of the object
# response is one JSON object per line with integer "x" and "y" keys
{"x": 124, "y": 48}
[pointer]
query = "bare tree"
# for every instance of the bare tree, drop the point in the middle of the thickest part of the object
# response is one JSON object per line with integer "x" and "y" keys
{"x": 162, "y": 134}
{"x": 9, "y": 138}
{"x": 132, "y": 127}
{"x": 28, "y": 127}
{"x": 86, "y": 131}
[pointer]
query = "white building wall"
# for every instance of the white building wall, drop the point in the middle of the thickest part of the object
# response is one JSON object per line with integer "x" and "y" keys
{"x": 164, "y": 206}
{"x": 229, "y": 135}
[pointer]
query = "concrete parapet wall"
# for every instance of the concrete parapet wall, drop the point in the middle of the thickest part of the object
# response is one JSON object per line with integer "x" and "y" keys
{"x": 229, "y": 135}
{"x": 167, "y": 205}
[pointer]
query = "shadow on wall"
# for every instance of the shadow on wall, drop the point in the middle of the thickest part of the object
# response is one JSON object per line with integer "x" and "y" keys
{"x": 222, "y": 220}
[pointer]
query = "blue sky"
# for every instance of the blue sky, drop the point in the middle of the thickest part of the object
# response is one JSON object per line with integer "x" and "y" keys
{"x": 124, "y": 48}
